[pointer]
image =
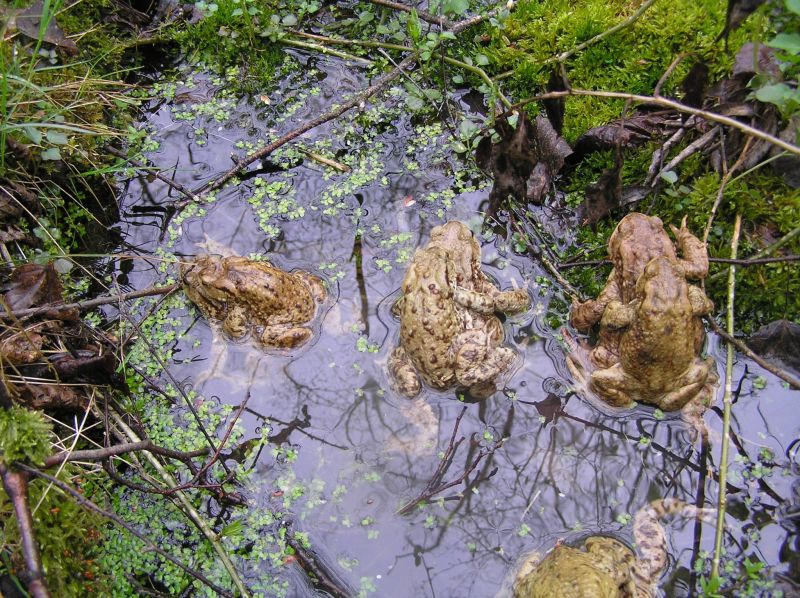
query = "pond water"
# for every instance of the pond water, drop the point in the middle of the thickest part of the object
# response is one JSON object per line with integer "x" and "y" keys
{"x": 356, "y": 452}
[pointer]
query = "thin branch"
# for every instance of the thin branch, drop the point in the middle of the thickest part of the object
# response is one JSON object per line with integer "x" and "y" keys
{"x": 80, "y": 305}
{"x": 85, "y": 502}
{"x": 152, "y": 171}
{"x": 621, "y": 25}
{"x": 754, "y": 261}
{"x": 325, "y": 50}
{"x": 721, "y": 191}
{"x": 667, "y": 103}
{"x": 425, "y": 16}
{"x": 121, "y": 449}
{"x": 727, "y": 403}
{"x": 745, "y": 350}
{"x": 16, "y": 487}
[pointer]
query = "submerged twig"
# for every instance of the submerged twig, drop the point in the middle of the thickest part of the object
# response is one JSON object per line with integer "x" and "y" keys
{"x": 727, "y": 402}
{"x": 748, "y": 352}
{"x": 435, "y": 484}
{"x": 155, "y": 172}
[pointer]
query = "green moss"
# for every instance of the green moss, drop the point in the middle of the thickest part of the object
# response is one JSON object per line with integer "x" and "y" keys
{"x": 631, "y": 60}
{"x": 68, "y": 541}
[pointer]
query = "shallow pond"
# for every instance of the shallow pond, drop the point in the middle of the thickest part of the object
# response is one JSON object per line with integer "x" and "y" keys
{"x": 355, "y": 452}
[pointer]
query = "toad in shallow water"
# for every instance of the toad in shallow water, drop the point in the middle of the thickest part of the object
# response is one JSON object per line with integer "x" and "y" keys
{"x": 249, "y": 296}
{"x": 605, "y": 567}
{"x": 658, "y": 361}
{"x": 637, "y": 239}
{"x": 449, "y": 335}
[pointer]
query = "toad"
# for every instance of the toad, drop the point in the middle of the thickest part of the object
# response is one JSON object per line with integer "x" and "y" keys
{"x": 637, "y": 239}
{"x": 253, "y": 297}
{"x": 658, "y": 357}
{"x": 449, "y": 333}
{"x": 604, "y": 567}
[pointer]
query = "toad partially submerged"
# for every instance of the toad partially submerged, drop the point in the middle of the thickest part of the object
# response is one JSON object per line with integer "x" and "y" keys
{"x": 637, "y": 239}
{"x": 658, "y": 361}
{"x": 605, "y": 567}
{"x": 252, "y": 297}
{"x": 449, "y": 333}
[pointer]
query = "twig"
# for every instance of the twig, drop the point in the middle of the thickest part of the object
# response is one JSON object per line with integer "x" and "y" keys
{"x": 325, "y": 161}
{"x": 425, "y": 16}
{"x": 16, "y": 487}
{"x": 714, "y": 260}
{"x": 721, "y": 191}
{"x": 325, "y": 50}
{"x": 435, "y": 486}
{"x": 768, "y": 250}
{"x": 745, "y": 350}
{"x": 621, "y": 25}
{"x": 85, "y": 502}
{"x": 670, "y": 69}
{"x": 667, "y": 103}
{"x": 189, "y": 510}
{"x": 727, "y": 402}
{"x": 155, "y": 172}
{"x": 121, "y": 449}
{"x": 309, "y": 564}
{"x": 80, "y": 305}
{"x": 694, "y": 147}
{"x": 658, "y": 155}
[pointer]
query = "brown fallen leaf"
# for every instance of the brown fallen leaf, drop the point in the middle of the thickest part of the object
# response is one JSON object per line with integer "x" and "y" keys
{"x": 33, "y": 285}
{"x": 52, "y": 396}
{"x": 28, "y": 21}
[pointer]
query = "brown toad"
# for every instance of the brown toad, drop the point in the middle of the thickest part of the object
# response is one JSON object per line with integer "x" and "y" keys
{"x": 449, "y": 335}
{"x": 658, "y": 359}
{"x": 607, "y": 568}
{"x": 637, "y": 239}
{"x": 249, "y": 296}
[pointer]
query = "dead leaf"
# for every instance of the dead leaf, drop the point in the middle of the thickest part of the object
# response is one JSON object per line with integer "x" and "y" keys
{"x": 751, "y": 61}
{"x": 28, "y": 22}
{"x": 524, "y": 161}
{"x": 694, "y": 84}
{"x": 780, "y": 340}
{"x": 52, "y": 396}
{"x": 738, "y": 11}
{"x": 553, "y": 150}
{"x": 33, "y": 285}
{"x": 629, "y": 131}
{"x": 21, "y": 347}
{"x": 603, "y": 195}
{"x": 554, "y": 108}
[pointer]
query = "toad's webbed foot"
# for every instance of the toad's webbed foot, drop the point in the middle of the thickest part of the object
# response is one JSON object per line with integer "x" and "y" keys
{"x": 403, "y": 374}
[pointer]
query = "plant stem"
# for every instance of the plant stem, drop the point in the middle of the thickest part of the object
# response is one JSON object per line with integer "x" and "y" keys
{"x": 727, "y": 401}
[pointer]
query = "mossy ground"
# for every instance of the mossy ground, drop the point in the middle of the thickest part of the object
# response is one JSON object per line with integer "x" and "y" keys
{"x": 633, "y": 60}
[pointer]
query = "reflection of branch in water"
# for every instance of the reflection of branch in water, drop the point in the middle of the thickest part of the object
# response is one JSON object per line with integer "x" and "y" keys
{"x": 357, "y": 257}
{"x": 436, "y": 484}
{"x": 296, "y": 424}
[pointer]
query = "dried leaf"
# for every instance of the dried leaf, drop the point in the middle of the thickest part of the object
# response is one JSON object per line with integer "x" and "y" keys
{"x": 624, "y": 132}
{"x": 751, "y": 61}
{"x": 21, "y": 347}
{"x": 28, "y": 22}
{"x": 554, "y": 108}
{"x": 738, "y": 11}
{"x": 780, "y": 340}
{"x": 553, "y": 150}
{"x": 603, "y": 195}
{"x": 34, "y": 285}
{"x": 52, "y": 396}
{"x": 694, "y": 84}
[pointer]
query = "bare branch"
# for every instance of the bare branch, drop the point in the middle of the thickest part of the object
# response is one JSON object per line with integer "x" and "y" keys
{"x": 121, "y": 449}
{"x": 16, "y": 487}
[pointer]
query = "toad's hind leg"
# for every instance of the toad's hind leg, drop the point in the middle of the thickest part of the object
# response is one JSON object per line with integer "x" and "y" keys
{"x": 403, "y": 374}
{"x": 285, "y": 336}
{"x": 476, "y": 360}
